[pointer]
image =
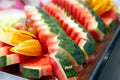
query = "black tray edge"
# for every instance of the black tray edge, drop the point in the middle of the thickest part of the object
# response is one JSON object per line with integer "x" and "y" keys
{"x": 97, "y": 71}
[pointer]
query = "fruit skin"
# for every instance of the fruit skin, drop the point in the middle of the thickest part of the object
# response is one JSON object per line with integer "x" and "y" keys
{"x": 68, "y": 23}
{"x": 84, "y": 42}
{"x": 37, "y": 67}
{"x": 54, "y": 31}
{"x": 54, "y": 38}
{"x": 96, "y": 27}
{"x": 9, "y": 58}
{"x": 110, "y": 19}
{"x": 64, "y": 40}
{"x": 58, "y": 59}
{"x": 4, "y": 50}
{"x": 110, "y": 23}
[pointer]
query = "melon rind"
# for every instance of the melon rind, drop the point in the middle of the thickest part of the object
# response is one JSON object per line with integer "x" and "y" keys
{"x": 12, "y": 58}
{"x": 31, "y": 72}
{"x": 64, "y": 64}
{"x": 97, "y": 26}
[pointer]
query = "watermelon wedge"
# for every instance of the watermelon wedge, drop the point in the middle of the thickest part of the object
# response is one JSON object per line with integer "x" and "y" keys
{"x": 110, "y": 19}
{"x": 85, "y": 16}
{"x": 5, "y": 50}
{"x": 2, "y": 44}
{"x": 8, "y": 58}
{"x": 73, "y": 29}
{"x": 37, "y": 67}
{"x": 55, "y": 40}
{"x": 63, "y": 70}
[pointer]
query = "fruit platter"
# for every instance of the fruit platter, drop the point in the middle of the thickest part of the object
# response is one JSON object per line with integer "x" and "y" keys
{"x": 59, "y": 40}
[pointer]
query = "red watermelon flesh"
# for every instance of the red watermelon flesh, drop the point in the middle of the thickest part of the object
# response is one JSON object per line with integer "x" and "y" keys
{"x": 58, "y": 71}
{"x": 48, "y": 38}
{"x": 110, "y": 14}
{"x": 12, "y": 58}
{"x": 68, "y": 25}
{"x": 42, "y": 64}
{"x": 52, "y": 44}
{"x": 5, "y": 50}
{"x": 2, "y": 44}
{"x": 9, "y": 58}
{"x": 72, "y": 29}
{"x": 109, "y": 18}
{"x": 83, "y": 16}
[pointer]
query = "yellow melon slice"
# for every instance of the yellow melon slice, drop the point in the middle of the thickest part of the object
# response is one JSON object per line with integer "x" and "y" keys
{"x": 30, "y": 47}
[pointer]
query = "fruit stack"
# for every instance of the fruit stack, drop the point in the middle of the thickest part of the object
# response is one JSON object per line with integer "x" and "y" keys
{"x": 57, "y": 39}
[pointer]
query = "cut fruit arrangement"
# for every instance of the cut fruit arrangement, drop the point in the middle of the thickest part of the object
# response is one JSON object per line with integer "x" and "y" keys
{"x": 56, "y": 40}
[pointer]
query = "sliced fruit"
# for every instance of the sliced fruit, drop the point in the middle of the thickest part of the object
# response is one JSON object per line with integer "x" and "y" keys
{"x": 100, "y": 7}
{"x": 12, "y": 58}
{"x": 110, "y": 19}
{"x": 110, "y": 23}
{"x": 63, "y": 67}
{"x": 72, "y": 28}
{"x": 3, "y": 44}
{"x": 67, "y": 22}
{"x": 5, "y": 50}
{"x": 105, "y": 9}
{"x": 53, "y": 37}
{"x": 13, "y": 38}
{"x": 30, "y": 47}
{"x": 9, "y": 58}
{"x": 11, "y": 29}
{"x": 37, "y": 67}
{"x": 25, "y": 32}
{"x": 87, "y": 48}
{"x": 110, "y": 14}
{"x": 85, "y": 16}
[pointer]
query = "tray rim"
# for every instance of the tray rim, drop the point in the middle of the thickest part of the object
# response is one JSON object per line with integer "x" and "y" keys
{"x": 101, "y": 63}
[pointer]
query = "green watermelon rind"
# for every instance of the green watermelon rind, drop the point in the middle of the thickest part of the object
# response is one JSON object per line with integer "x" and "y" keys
{"x": 31, "y": 72}
{"x": 79, "y": 25}
{"x": 3, "y": 61}
{"x": 65, "y": 64}
{"x": 112, "y": 25}
{"x": 89, "y": 46}
{"x": 64, "y": 41}
{"x": 89, "y": 49}
{"x": 101, "y": 25}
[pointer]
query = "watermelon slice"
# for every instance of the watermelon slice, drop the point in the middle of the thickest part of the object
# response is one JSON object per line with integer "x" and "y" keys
{"x": 85, "y": 16}
{"x": 2, "y": 44}
{"x": 73, "y": 29}
{"x": 67, "y": 22}
{"x": 37, "y": 67}
{"x": 5, "y": 50}
{"x": 8, "y": 58}
{"x": 55, "y": 39}
{"x": 110, "y": 19}
{"x": 63, "y": 70}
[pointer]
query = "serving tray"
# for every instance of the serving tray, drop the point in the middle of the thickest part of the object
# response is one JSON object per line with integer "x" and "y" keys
{"x": 107, "y": 61}
{"x": 105, "y": 56}
{"x": 91, "y": 71}
{"x": 108, "y": 67}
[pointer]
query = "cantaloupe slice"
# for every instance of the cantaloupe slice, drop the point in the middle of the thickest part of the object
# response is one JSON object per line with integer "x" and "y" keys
{"x": 30, "y": 47}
